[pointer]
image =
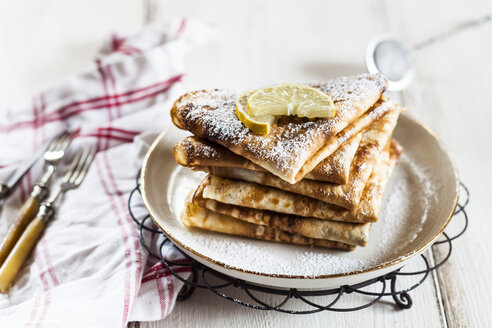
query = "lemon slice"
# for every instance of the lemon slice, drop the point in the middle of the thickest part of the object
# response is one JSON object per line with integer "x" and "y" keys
{"x": 257, "y": 124}
{"x": 291, "y": 99}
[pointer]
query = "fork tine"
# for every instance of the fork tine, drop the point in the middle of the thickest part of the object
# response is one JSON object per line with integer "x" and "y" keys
{"x": 73, "y": 166}
{"x": 65, "y": 142}
{"x": 79, "y": 167}
{"x": 85, "y": 167}
{"x": 56, "y": 141}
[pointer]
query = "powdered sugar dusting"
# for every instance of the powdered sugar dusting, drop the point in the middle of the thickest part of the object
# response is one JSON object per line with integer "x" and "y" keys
{"x": 345, "y": 91}
{"x": 398, "y": 230}
{"x": 204, "y": 151}
{"x": 410, "y": 199}
{"x": 211, "y": 115}
{"x": 417, "y": 202}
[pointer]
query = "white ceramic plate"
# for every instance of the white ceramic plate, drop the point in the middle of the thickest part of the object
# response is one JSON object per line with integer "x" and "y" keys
{"x": 418, "y": 203}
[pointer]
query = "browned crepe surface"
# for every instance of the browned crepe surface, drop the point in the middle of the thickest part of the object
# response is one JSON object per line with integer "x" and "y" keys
{"x": 336, "y": 167}
{"x": 194, "y": 151}
{"x": 346, "y": 195}
{"x": 196, "y": 216}
{"x": 349, "y": 233}
{"x": 247, "y": 194}
{"x": 293, "y": 142}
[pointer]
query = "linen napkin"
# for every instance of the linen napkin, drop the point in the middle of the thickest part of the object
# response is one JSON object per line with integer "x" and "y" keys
{"x": 89, "y": 269}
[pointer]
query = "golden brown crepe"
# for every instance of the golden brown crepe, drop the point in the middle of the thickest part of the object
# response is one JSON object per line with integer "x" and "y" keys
{"x": 198, "y": 217}
{"x": 193, "y": 151}
{"x": 295, "y": 145}
{"x": 336, "y": 167}
{"x": 349, "y": 233}
{"x": 251, "y": 195}
{"x": 372, "y": 197}
{"x": 346, "y": 195}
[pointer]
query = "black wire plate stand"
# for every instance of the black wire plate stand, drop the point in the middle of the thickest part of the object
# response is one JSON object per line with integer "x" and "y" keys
{"x": 252, "y": 294}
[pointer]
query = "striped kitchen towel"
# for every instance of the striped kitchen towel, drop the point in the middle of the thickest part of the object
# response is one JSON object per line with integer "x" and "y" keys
{"x": 89, "y": 269}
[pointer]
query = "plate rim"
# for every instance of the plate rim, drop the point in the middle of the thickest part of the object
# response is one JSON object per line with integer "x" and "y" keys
{"x": 380, "y": 266}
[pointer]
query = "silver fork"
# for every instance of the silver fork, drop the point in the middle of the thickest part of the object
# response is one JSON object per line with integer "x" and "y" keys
{"x": 53, "y": 154}
{"x": 72, "y": 179}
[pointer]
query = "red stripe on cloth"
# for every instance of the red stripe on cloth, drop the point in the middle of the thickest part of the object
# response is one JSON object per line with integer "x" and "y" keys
{"x": 46, "y": 287}
{"x": 77, "y": 107}
{"x": 129, "y": 50}
{"x": 161, "y": 273}
{"x": 99, "y": 140}
{"x": 116, "y": 42}
{"x": 170, "y": 293}
{"x": 182, "y": 26}
{"x": 103, "y": 106}
{"x": 47, "y": 257}
{"x": 35, "y": 115}
{"x": 44, "y": 310}
{"x": 38, "y": 258}
{"x": 113, "y": 84}
{"x": 129, "y": 223}
{"x": 163, "y": 297}
{"x": 42, "y": 115}
{"x": 135, "y": 49}
{"x": 118, "y": 45}
{"x": 119, "y": 220}
{"x": 130, "y": 132}
{"x": 125, "y": 51}
{"x": 34, "y": 311}
{"x": 165, "y": 273}
{"x": 109, "y": 104}
{"x": 105, "y": 137}
{"x": 105, "y": 133}
{"x": 100, "y": 69}
{"x": 160, "y": 266}
{"x": 155, "y": 267}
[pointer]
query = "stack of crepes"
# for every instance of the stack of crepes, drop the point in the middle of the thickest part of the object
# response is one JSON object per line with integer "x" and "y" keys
{"x": 309, "y": 181}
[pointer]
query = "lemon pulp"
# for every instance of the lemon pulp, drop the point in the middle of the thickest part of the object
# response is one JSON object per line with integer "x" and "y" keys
{"x": 290, "y": 99}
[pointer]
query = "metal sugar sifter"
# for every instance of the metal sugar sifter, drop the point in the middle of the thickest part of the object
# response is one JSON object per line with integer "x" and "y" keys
{"x": 393, "y": 58}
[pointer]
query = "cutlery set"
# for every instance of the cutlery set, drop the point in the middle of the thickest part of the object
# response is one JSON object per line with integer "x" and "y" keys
{"x": 39, "y": 208}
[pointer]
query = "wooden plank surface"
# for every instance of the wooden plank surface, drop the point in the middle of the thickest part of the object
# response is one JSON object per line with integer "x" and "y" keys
{"x": 450, "y": 95}
{"x": 203, "y": 309}
{"x": 263, "y": 42}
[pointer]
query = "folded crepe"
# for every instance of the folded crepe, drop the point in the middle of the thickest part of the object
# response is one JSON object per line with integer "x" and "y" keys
{"x": 193, "y": 151}
{"x": 347, "y": 195}
{"x": 336, "y": 167}
{"x": 199, "y": 217}
{"x": 256, "y": 196}
{"x": 295, "y": 145}
{"x": 349, "y": 233}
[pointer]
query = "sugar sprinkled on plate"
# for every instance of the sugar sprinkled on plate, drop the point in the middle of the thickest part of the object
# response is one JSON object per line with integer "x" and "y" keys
{"x": 402, "y": 217}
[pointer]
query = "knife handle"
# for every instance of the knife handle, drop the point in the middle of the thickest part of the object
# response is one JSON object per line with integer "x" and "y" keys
{"x": 26, "y": 213}
{"x": 20, "y": 252}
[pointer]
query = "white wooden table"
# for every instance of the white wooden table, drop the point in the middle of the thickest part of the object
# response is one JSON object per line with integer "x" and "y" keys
{"x": 264, "y": 42}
